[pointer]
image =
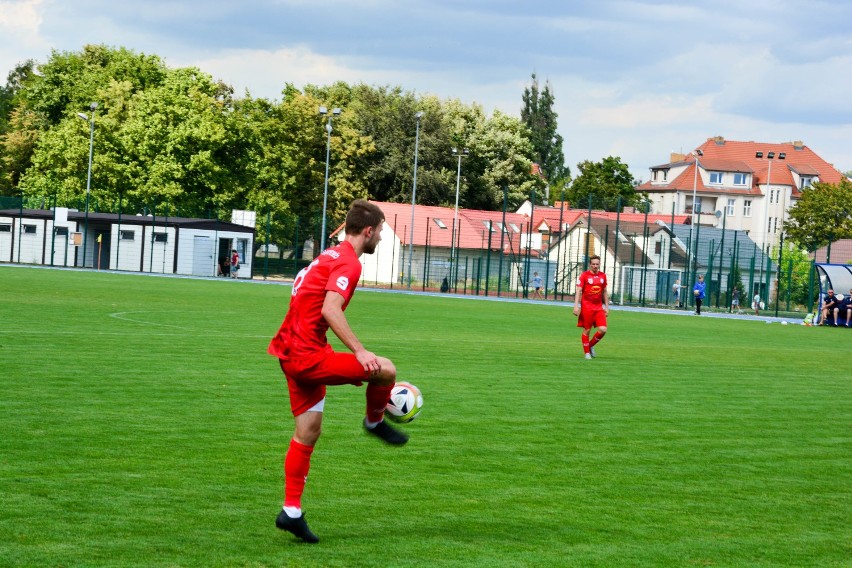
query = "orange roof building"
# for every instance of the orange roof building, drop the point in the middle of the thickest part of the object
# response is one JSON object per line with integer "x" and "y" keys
{"x": 748, "y": 186}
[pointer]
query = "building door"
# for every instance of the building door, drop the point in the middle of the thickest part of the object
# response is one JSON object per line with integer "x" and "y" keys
{"x": 203, "y": 263}
{"x": 102, "y": 248}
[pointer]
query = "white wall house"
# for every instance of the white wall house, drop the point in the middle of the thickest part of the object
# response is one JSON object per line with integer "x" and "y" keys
{"x": 744, "y": 186}
{"x": 133, "y": 243}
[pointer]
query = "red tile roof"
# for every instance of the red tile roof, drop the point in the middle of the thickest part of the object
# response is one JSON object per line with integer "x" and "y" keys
{"x": 472, "y": 227}
{"x": 730, "y": 155}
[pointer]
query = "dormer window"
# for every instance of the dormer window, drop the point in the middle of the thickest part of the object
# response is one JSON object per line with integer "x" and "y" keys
{"x": 716, "y": 178}
{"x": 739, "y": 179}
{"x": 805, "y": 182}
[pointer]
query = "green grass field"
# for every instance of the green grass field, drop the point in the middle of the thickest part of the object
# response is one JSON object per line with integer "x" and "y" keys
{"x": 143, "y": 424}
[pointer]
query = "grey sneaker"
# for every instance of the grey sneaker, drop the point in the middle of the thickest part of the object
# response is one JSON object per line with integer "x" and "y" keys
{"x": 588, "y": 355}
{"x": 592, "y": 352}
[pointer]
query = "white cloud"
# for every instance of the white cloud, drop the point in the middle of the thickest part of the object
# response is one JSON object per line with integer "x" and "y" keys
{"x": 20, "y": 23}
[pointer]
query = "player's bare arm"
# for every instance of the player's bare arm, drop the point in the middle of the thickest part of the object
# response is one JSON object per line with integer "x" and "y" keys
{"x": 577, "y": 296}
{"x": 606, "y": 301}
{"x": 332, "y": 312}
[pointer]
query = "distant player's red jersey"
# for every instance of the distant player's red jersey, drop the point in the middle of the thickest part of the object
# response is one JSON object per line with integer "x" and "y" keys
{"x": 304, "y": 329}
{"x": 593, "y": 287}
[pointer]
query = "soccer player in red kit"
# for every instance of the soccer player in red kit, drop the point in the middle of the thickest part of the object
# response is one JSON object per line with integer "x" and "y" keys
{"x": 321, "y": 292}
{"x": 591, "y": 304}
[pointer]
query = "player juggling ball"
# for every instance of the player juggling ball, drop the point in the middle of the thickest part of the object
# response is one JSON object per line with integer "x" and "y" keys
{"x": 321, "y": 292}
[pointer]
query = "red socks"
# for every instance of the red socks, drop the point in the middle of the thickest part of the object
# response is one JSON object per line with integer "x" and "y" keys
{"x": 598, "y": 336}
{"x": 377, "y": 399}
{"x": 297, "y": 462}
{"x": 586, "y": 344}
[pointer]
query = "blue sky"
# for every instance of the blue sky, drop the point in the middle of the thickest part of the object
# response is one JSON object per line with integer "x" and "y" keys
{"x": 635, "y": 79}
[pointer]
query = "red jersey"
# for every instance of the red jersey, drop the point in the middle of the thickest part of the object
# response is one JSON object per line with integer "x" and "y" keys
{"x": 304, "y": 329}
{"x": 593, "y": 287}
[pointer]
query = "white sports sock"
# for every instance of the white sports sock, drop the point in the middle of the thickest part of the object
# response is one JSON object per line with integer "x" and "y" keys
{"x": 293, "y": 512}
{"x": 371, "y": 425}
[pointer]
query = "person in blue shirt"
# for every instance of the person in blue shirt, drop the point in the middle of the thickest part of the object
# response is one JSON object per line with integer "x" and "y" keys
{"x": 536, "y": 282}
{"x": 698, "y": 291}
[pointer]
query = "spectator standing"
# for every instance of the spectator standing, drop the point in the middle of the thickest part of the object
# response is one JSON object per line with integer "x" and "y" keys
{"x": 676, "y": 292}
{"x": 755, "y": 303}
{"x": 536, "y": 282}
{"x": 235, "y": 263}
{"x": 735, "y": 299}
{"x": 698, "y": 292}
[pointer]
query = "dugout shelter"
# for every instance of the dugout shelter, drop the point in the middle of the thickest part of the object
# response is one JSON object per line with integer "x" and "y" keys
{"x": 837, "y": 277}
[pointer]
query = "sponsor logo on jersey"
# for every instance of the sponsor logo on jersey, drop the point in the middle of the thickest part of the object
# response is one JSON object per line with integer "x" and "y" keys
{"x": 343, "y": 283}
{"x": 332, "y": 253}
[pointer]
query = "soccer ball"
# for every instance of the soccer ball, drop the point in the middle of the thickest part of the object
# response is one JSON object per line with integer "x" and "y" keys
{"x": 405, "y": 403}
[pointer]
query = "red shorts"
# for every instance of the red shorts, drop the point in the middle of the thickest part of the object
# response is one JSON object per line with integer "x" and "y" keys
{"x": 591, "y": 318}
{"x": 308, "y": 375}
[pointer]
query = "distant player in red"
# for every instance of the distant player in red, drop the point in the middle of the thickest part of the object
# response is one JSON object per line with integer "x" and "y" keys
{"x": 591, "y": 304}
{"x": 321, "y": 292}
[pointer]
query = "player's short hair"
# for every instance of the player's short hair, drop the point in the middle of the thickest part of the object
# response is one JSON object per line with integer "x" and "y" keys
{"x": 363, "y": 214}
{"x": 593, "y": 257}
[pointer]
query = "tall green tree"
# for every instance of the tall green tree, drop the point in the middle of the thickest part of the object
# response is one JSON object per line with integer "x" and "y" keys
{"x": 605, "y": 182}
{"x": 538, "y": 116}
{"x": 500, "y": 158}
{"x": 822, "y": 215}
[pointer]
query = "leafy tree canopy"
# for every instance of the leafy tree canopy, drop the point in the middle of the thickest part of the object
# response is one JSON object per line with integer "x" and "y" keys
{"x": 822, "y": 215}
{"x": 604, "y": 182}
{"x": 538, "y": 116}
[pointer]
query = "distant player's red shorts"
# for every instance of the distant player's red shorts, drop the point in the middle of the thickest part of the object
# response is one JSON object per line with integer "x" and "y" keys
{"x": 307, "y": 376}
{"x": 590, "y": 318}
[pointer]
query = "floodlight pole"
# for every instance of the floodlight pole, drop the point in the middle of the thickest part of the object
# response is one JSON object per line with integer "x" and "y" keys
{"x": 334, "y": 112}
{"x": 417, "y": 117}
{"x": 461, "y": 154}
{"x": 692, "y": 265}
{"x": 91, "y": 121}
{"x": 770, "y": 157}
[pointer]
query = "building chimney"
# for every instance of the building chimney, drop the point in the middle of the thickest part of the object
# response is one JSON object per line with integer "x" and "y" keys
{"x": 719, "y": 140}
{"x": 798, "y": 145}
{"x": 677, "y": 157}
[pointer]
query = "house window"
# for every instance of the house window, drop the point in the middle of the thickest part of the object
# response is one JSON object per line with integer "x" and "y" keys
{"x": 127, "y": 235}
{"x": 61, "y": 231}
{"x": 769, "y": 226}
{"x": 490, "y": 226}
{"x": 5, "y": 228}
{"x": 30, "y": 229}
{"x": 159, "y": 237}
{"x": 805, "y": 182}
{"x": 658, "y": 247}
{"x": 747, "y": 208}
{"x": 716, "y": 178}
{"x": 739, "y": 179}
{"x": 730, "y": 208}
{"x": 440, "y": 223}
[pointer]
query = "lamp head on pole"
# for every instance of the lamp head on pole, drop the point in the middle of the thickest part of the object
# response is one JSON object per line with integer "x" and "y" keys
{"x": 83, "y": 115}
{"x": 418, "y": 115}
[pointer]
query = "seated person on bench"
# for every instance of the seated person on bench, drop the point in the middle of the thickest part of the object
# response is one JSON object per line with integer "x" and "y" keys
{"x": 844, "y": 310}
{"x": 828, "y": 304}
